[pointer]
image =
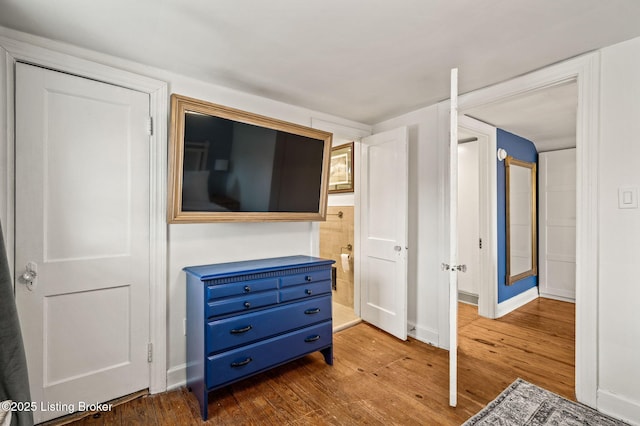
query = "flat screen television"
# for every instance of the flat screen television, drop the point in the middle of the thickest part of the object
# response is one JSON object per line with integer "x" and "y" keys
{"x": 230, "y": 165}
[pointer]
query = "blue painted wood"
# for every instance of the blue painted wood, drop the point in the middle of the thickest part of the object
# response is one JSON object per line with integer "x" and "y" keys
{"x": 195, "y": 345}
{"x": 305, "y": 291}
{"x": 239, "y": 363}
{"x": 308, "y": 277}
{"x": 241, "y": 304}
{"x": 247, "y": 317}
{"x": 221, "y": 270}
{"x": 240, "y": 288}
{"x": 244, "y": 329}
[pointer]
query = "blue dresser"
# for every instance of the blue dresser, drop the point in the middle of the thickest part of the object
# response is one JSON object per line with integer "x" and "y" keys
{"x": 246, "y": 317}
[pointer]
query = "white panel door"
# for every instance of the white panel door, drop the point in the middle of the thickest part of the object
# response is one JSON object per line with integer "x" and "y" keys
{"x": 82, "y": 224}
{"x": 383, "y": 207}
{"x": 557, "y": 229}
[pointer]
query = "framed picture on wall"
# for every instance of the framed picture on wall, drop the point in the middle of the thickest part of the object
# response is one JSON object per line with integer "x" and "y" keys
{"x": 341, "y": 169}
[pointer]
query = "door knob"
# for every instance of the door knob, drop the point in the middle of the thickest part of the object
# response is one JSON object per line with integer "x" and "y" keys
{"x": 397, "y": 248}
{"x": 461, "y": 268}
{"x": 30, "y": 274}
{"x": 454, "y": 268}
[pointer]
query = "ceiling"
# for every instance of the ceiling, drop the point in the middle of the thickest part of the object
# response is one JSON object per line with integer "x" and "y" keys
{"x": 365, "y": 60}
{"x": 547, "y": 117}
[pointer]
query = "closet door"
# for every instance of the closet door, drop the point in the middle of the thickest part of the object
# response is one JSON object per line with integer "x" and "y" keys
{"x": 557, "y": 229}
{"x": 82, "y": 238}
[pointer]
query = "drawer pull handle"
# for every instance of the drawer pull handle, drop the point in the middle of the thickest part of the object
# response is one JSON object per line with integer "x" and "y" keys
{"x": 241, "y": 330}
{"x": 311, "y": 339}
{"x": 309, "y": 278}
{"x": 241, "y": 363}
{"x": 247, "y": 289}
{"x": 308, "y": 291}
{"x": 312, "y": 311}
{"x": 247, "y": 305}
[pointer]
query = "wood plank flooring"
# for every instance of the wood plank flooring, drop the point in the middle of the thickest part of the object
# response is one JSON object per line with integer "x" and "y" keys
{"x": 379, "y": 380}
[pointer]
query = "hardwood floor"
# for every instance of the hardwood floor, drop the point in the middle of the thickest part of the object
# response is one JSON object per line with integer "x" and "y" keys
{"x": 377, "y": 379}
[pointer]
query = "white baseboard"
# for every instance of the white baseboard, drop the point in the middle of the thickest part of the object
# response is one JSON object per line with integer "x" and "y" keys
{"x": 557, "y": 297}
{"x": 515, "y": 302}
{"x": 425, "y": 335}
{"x": 618, "y": 407}
{"x": 177, "y": 377}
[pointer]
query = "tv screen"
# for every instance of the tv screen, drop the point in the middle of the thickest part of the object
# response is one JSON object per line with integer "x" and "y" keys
{"x": 246, "y": 167}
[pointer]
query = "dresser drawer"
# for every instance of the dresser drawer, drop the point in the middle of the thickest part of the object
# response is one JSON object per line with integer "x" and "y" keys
{"x": 232, "y": 365}
{"x": 308, "y": 277}
{"x": 239, "y": 288}
{"x": 242, "y": 329}
{"x": 305, "y": 291}
{"x": 242, "y": 303}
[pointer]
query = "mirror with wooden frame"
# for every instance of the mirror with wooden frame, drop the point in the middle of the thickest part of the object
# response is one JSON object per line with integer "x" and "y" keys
{"x": 228, "y": 165}
{"x": 522, "y": 247}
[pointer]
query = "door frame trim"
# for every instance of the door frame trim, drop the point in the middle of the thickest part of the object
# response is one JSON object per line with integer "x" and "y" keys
{"x": 13, "y": 51}
{"x": 585, "y": 70}
{"x": 488, "y": 213}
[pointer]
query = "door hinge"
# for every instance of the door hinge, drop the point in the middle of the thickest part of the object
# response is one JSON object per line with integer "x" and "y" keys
{"x": 149, "y": 352}
{"x": 480, "y": 245}
{"x": 150, "y": 126}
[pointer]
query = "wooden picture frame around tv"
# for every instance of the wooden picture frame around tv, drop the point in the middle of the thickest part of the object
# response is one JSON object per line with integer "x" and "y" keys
{"x": 227, "y": 177}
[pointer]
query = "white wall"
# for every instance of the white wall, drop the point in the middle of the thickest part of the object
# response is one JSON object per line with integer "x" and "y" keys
{"x": 619, "y": 289}
{"x": 423, "y": 260}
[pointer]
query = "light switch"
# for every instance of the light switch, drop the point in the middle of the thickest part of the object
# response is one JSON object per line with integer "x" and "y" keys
{"x": 628, "y": 197}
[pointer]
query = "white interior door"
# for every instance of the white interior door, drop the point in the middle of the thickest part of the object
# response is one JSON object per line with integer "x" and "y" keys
{"x": 557, "y": 227}
{"x": 383, "y": 228}
{"x": 453, "y": 241}
{"x": 82, "y": 225}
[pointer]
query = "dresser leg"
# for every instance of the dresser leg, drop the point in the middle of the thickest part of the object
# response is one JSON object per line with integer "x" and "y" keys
{"x": 328, "y": 354}
{"x": 204, "y": 406}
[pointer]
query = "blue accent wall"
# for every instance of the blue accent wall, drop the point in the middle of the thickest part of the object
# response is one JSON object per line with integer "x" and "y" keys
{"x": 524, "y": 150}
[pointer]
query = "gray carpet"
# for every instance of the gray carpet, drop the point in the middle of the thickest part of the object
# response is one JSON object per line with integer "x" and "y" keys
{"x": 525, "y": 404}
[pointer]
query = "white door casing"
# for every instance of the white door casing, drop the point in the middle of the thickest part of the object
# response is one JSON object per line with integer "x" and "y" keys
{"x": 383, "y": 231}
{"x": 82, "y": 216}
{"x": 487, "y": 274}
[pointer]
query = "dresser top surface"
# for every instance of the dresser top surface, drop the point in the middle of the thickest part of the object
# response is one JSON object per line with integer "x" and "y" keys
{"x": 220, "y": 270}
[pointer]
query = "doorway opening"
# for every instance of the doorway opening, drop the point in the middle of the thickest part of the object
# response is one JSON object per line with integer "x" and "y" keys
{"x": 337, "y": 242}
{"x": 547, "y": 117}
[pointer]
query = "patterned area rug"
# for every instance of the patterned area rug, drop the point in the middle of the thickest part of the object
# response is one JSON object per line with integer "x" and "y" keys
{"x": 525, "y": 404}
